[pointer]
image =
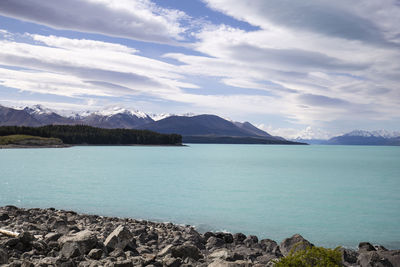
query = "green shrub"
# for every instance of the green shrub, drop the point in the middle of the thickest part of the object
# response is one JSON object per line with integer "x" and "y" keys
{"x": 312, "y": 256}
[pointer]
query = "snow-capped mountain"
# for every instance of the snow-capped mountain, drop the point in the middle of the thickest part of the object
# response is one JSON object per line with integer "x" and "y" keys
{"x": 361, "y": 137}
{"x": 45, "y": 115}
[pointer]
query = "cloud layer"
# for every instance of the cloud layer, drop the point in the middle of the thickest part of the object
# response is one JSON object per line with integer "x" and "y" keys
{"x": 312, "y": 63}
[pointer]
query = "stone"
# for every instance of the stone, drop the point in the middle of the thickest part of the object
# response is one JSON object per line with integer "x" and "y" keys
{"x": 222, "y": 263}
{"x": 270, "y": 246}
{"x": 372, "y": 258}
{"x": 25, "y": 238}
{"x": 239, "y": 238}
{"x": 365, "y": 246}
{"x": 3, "y": 256}
{"x": 4, "y": 216}
{"x": 27, "y": 263}
{"x": 52, "y": 237}
{"x": 214, "y": 242}
{"x": 226, "y": 255}
{"x": 95, "y": 253}
{"x": 295, "y": 243}
{"x": 85, "y": 240}
{"x": 186, "y": 251}
{"x": 70, "y": 250}
{"x": 119, "y": 238}
{"x": 169, "y": 261}
{"x": 349, "y": 256}
{"x": 165, "y": 251}
{"x": 250, "y": 241}
{"x": 207, "y": 235}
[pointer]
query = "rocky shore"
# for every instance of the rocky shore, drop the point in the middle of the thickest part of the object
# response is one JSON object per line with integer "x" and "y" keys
{"x": 50, "y": 237}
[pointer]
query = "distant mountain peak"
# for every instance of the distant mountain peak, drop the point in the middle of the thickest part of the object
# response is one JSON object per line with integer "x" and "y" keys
{"x": 111, "y": 111}
{"x": 37, "y": 110}
{"x": 377, "y": 133}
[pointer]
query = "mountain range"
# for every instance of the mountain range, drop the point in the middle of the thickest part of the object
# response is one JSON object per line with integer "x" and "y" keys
{"x": 194, "y": 128}
{"x": 359, "y": 137}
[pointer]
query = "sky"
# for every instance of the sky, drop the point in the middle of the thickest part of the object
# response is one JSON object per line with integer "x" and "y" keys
{"x": 310, "y": 69}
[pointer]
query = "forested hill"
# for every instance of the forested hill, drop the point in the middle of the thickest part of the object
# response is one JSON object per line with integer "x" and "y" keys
{"x": 81, "y": 134}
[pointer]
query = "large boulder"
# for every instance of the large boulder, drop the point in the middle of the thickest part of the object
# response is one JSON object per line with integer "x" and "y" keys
{"x": 186, "y": 251}
{"x": 84, "y": 240}
{"x": 214, "y": 242}
{"x": 119, "y": 238}
{"x": 295, "y": 243}
{"x": 270, "y": 246}
{"x": 365, "y": 247}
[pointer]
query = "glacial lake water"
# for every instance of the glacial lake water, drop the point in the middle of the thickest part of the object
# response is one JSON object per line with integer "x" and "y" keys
{"x": 332, "y": 195}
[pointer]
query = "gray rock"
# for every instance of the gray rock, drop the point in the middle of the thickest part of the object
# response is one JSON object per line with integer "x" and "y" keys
{"x": 186, "y": 251}
{"x": 119, "y": 238}
{"x": 85, "y": 240}
{"x": 225, "y": 254}
{"x": 165, "y": 251}
{"x": 52, "y": 237}
{"x": 95, "y": 253}
{"x": 270, "y": 246}
{"x": 3, "y": 256}
{"x": 349, "y": 256}
{"x": 169, "y": 261}
{"x": 222, "y": 263}
{"x": 295, "y": 243}
{"x": 4, "y": 216}
{"x": 214, "y": 242}
{"x": 365, "y": 246}
{"x": 25, "y": 238}
{"x": 70, "y": 250}
{"x": 27, "y": 263}
{"x": 238, "y": 238}
{"x": 373, "y": 259}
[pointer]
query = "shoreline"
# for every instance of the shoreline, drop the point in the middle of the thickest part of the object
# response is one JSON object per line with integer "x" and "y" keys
{"x": 66, "y": 238}
{"x": 67, "y": 146}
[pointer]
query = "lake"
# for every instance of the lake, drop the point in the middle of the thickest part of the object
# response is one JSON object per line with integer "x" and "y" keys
{"x": 332, "y": 195}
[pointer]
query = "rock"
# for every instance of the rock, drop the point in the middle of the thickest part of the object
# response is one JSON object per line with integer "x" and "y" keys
{"x": 126, "y": 263}
{"x": 26, "y": 238}
{"x": 365, "y": 246}
{"x": 239, "y": 238}
{"x": 52, "y": 237}
{"x": 296, "y": 242}
{"x": 169, "y": 261}
{"x": 380, "y": 248}
{"x": 165, "y": 251}
{"x": 85, "y": 240}
{"x": 3, "y": 256}
{"x": 27, "y": 263}
{"x": 70, "y": 250}
{"x": 4, "y": 216}
{"x": 250, "y": 241}
{"x": 119, "y": 238}
{"x": 207, "y": 235}
{"x": 349, "y": 256}
{"x": 270, "y": 246}
{"x": 222, "y": 263}
{"x": 186, "y": 251}
{"x": 372, "y": 258}
{"x": 95, "y": 253}
{"x": 214, "y": 242}
{"x": 264, "y": 259}
{"x": 225, "y": 254}
{"x": 248, "y": 253}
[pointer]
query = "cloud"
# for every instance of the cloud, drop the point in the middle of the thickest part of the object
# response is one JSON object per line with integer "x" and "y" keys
{"x": 320, "y": 100}
{"x": 133, "y": 19}
{"x": 366, "y": 22}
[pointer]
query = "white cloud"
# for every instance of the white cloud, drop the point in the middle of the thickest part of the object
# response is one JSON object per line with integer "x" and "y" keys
{"x": 134, "y": 19}
{"x": 292, "y": 133}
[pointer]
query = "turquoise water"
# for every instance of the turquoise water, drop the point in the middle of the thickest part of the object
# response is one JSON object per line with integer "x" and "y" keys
{"x": 332, "y": 195}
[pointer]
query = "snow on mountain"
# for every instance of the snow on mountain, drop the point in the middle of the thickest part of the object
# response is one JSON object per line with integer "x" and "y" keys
{"x": 36, "y": 110}
{"x": 118, "y": 110}
{"x": 160, "y": 116}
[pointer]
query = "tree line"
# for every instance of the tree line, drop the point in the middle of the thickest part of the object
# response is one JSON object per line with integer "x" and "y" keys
{"x": 82, "y": 134}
